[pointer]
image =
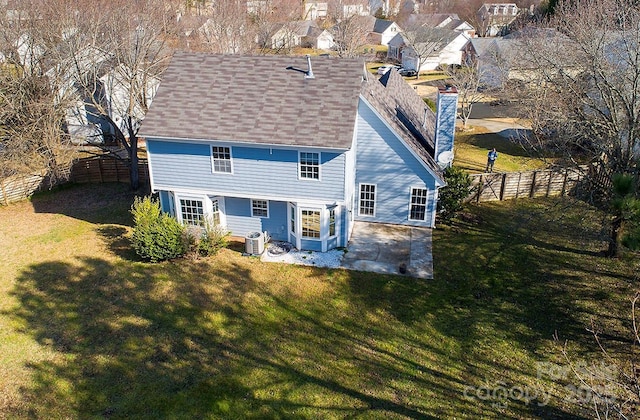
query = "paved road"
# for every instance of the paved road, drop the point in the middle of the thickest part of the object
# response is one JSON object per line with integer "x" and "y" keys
{"x": 506, "y": 127}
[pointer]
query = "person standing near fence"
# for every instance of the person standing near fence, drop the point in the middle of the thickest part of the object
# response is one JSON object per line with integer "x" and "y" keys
{"x": 491, "y": 158}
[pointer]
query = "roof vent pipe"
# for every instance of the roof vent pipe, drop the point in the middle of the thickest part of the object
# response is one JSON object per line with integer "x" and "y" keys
{"x": 309, "y": 73}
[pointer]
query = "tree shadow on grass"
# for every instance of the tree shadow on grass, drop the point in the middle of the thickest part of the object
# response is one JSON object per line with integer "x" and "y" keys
{"x": 117, "y": 240}
{"x": 107, "y": 203}
{"x": 193, "y": 339}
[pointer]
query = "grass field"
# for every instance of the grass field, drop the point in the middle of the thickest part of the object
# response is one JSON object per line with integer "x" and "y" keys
{"x": 89, "y": 331}
{"x": 471, "y": 149}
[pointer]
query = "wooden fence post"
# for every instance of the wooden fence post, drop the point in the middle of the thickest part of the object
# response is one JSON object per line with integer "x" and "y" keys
{"x": 504, "y": 181}
{"x": 533, "y": 184}
{"x": 564, "y": 183}
{"x": 100, "y": 169}
{"x": 4, "y": 193}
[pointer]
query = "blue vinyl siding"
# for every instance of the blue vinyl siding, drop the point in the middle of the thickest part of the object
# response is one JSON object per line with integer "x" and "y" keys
{"x": 260, "y": 172}
{"x": 164, "y": 201}
{"x": 383, "y": 160}
{"x": 311, "y": 245}
{"x": 240, "y": 222}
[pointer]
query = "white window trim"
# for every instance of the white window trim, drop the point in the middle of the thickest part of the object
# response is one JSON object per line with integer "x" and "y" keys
{"x": 252, "y": 208}
{"x": 426, "y": 204}
{"x": 319, "y": 167}
{"x": 207, "y": 206}
{"x": 213, "y": 166}
{"x": 375, "y": 199}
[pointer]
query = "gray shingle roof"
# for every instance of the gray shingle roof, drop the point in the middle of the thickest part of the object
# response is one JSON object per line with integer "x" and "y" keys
{"x": 381, "y": 25}
{"x": 254, "y": 99}
{"x": 406, "y": 112}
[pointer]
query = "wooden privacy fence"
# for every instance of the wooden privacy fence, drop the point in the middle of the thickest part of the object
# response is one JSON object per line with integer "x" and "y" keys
{"x": 531, "y": 184}
{"x": 19, "y": 187}
{"x": 91, "y": 169}
{"x": 99, "y": 169}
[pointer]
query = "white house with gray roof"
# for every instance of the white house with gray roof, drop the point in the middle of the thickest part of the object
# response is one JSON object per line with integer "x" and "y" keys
{"x": 445, "y": 47}
{"x": 302, "y": 150}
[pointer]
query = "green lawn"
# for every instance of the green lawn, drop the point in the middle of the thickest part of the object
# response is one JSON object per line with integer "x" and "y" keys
{"x": 472, "y": 146}
{"x": 89, "y": 331}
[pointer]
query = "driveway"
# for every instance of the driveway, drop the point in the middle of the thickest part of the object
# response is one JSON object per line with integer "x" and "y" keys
{"x": 390, "y": 249}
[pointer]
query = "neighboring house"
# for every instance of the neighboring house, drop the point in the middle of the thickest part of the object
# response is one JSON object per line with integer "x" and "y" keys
{"x": 301, "y": 150}
{"x": 117, "y": 84}
{"x": 354, "y": 9}
{"x": 255, "y": 7}
{"x": 441, "y": 20}
{"x": 495, "y": 18}
{"x": 381, "y": 31}
{"x": 83, "y": 122}
{"x": 314, "y": 10}
{"x": 503, "y": 59}
{"x": 444, "y": 47}
{"x": 225, "y": 38}
{"x": 302, "y": 34}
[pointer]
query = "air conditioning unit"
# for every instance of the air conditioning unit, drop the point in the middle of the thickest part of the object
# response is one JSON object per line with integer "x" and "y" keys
{"x": 254, "y": 243}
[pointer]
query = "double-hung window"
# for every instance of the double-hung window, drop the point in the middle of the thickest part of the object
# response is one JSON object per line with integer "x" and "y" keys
{"x": 367, "y": 205}
{"x": 418, "y": 204}
{"x": 309, "y": 165}
{"x": 259, "y": 208}
{"x": 221, "y": 157}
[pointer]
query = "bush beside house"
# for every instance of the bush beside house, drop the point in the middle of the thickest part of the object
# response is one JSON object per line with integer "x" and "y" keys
{"x": 157, "y": 236}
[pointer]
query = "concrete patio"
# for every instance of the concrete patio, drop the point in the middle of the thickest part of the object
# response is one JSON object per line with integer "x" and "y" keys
{"x": 383, "y": 248}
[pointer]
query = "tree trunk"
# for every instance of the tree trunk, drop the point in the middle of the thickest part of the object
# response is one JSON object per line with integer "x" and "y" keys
{"x": 613, "y": 249}
{"x": 134, "y": 174}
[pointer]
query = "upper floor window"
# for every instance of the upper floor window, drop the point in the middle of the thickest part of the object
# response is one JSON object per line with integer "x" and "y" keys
{"x": 418, "y": 204}
{"x": 309, "y": 165}
{"x": 259, "y": 208}
{"x": 221, "y": 157}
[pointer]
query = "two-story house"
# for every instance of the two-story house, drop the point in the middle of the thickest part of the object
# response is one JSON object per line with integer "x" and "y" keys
{"x": 299, "y": 147}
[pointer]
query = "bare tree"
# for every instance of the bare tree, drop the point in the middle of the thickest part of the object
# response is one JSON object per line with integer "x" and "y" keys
{"x": 350, "y": 35}
{"x": 227, "y": 28}
{"x": 344, "y": 9}
{"x": 268, "y": 16}
{"x": 31, "y": 135}
{"x": 588, "y": 106}
{"x": 468, "y": 81}
{"x": 423, "y": 42}
{"x": 610, "y": 385}
{"x": 112, "y": 58}
{"x": 31, "y": 113}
